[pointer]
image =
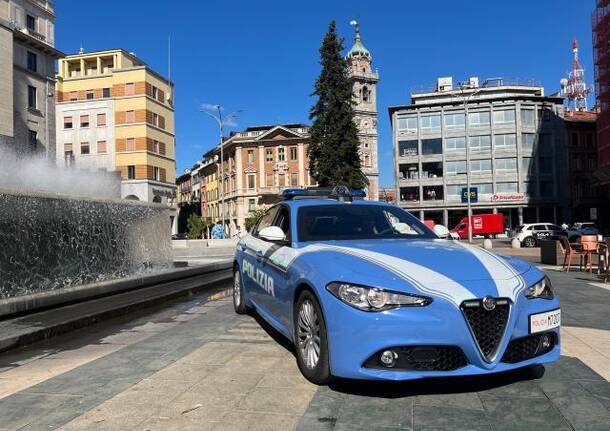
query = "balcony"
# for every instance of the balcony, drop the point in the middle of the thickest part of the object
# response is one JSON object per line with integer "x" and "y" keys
{"x": 408, "y": 171}
{"x": 433, "y": 193}
{"x": 432, "y": 170}
{"x": 409, "y": 194}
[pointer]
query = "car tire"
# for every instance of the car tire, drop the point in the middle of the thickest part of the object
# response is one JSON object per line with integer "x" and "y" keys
{"x": 239, "y": 303}
{"x": 309, "y": 332}
{"x": 529, "y": 242}
{"x": 536, "y": 371}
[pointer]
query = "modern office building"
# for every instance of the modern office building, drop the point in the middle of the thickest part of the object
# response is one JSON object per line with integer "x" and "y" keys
{"x": 256, "y": 165}
{"x": 510, "y": 144}
{"x": 115, "y": 113}
{"x": 365, "y": 81}
{"x": 27, "y": 76}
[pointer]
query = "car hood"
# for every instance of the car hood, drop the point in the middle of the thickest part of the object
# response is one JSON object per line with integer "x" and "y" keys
{"x": 437, "y": 267}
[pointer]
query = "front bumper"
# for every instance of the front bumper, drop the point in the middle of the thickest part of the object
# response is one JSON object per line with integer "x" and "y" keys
{"x": 354, "y": 336}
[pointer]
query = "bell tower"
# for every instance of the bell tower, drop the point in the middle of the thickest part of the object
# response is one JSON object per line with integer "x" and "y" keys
{"x": 364, "y": 81}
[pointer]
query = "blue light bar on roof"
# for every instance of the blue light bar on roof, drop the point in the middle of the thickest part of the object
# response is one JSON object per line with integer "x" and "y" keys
{"x": 291, "y": 193}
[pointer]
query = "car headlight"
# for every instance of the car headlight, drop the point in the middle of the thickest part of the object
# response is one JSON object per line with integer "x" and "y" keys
{"x": 542, "y": 289}
{"x": 373, "y": 298}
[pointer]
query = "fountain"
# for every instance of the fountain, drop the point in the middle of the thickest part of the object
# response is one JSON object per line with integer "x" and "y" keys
{"x": 52, "y": 236}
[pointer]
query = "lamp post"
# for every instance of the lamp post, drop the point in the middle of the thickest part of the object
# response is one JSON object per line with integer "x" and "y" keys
{"x": 221, "y": 123}
{"x": 466, "y": 101}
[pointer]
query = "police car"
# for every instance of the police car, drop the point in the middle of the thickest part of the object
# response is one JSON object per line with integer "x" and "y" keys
{"x": 365, "y": 290}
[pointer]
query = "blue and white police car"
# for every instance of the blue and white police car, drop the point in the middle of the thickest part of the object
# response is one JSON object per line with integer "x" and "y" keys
{"x": 365, "y": 290}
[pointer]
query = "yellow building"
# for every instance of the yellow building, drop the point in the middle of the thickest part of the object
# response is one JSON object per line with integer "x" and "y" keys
{"x": 115, "y": 113}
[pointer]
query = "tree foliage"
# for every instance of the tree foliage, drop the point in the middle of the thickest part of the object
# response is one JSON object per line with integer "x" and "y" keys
{"x": 195, "y": 227}
{"x": 253, "y": 217}
{"x": 333, "y": 146}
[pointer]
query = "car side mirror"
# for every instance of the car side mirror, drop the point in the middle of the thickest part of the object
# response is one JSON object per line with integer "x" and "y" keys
{"x": 441, "y": 231}
{"x": 272, "y": 233}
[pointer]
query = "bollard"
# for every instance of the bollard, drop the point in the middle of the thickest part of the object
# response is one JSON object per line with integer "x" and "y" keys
{"x": 515, "y": 243}
{"x": 487, "y": 244}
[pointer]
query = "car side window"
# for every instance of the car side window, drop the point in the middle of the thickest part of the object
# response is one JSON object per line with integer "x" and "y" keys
{"x": 539, "y": 227}
{"x": 283, "y": 221}
{"x": 265, "y": 221}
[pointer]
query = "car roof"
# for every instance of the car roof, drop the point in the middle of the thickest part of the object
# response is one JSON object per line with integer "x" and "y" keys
{"x": 308, "y": 202}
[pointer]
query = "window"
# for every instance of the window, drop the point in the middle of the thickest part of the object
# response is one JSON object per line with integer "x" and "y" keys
{"x": 269, "y": 180}
{"x": 478, "y": 119}
{"x": 67, "y": 122}
{"x": 130, "y": 144}
{"x": 546, "y": 189}
{"x": 527, "y": 165}
{"x": 590, "y": 140}
{"x": 269, "y": 155}
{"x": 130, "y": 89}
{"x": 480, "y": 166}
{"x": 156, "y": 173}
{"x": 505, "y": 142}
{"x": 454, "y": 191}
{"x": 546, "y": 165}
{"x": 294, "y": 179}
{"x": 281, "y": 156}
{"x": 265, "y": 220}
{"x": 33, "y": 139}
{"x": 407, "y": 148}
{"x": 250, "y": 156}
{"x": 527, "y": 141}
{"x": 156, "y": 146}
{"x": 90, "y": 95}
{"x": 73, "y": 96}
{"x": 130, "y": 116}
{"x": 31, "y": 22}
{"x": 155, "y": 119}
{"x": 455, "y": 144}
{"x": 504, "y": 116}
{"x": 591, "y": 162}
{"x": 293, "y": 153}
{"x": 101, "y": 120}
{"x": 84, "y": 148}
{"x": 281, "y": 180}
{"x": 480, "y": 143}
{"x": 409, "y": 123}
{"x": 456, "y": 168}
{"x": 432, "y": 146}
{"x": 84, "y": 121}
{"x": 154, "y": 92}
{"x": 32, "y": 62}
{"x": 506, "y": 165}
{"x": 454, "y": 120}
{"x": 101, "y": 147}
{"x": 506, "y": 187}
{"x": 483, "y": 188}
{"x": 527, "y": 117}
{"x": 105, "y": 92}
{"x": 251, "y": 181}
{"x": 32, "y": 97}
{"x": 365, "y": 95}
{"x": 251, "y": 205}
{"x": 430, "y": 122}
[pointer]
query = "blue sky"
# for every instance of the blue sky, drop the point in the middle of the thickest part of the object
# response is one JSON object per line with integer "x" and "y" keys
{"x": 261, "y": 56}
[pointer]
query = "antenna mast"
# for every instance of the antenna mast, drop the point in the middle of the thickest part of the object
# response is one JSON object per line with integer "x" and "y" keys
{"x": 574, "y": 88}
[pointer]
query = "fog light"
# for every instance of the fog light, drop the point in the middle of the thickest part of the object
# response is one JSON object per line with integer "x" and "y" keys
{"x": 388, "y": 358}
{"x": 546, "y": 341}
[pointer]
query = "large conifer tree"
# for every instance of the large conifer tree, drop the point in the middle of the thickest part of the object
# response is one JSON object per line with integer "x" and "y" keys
{"x": 333, "y": 146}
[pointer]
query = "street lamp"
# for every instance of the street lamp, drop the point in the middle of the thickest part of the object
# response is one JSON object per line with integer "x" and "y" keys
{"x": 217, "y": 116}
{"x": 466, "y": 100}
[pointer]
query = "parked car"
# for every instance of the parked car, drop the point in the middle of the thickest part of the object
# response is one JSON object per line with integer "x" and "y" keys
{"x": 530, "y": 234}
{"x": 488, "y": 225}
{"x": 582, "y": 228}
{"x": 179, "y": 236}
{"x": 365, "y": 290}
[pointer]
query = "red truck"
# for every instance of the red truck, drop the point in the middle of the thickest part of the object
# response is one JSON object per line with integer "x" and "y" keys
{"x": 482, "y": 224}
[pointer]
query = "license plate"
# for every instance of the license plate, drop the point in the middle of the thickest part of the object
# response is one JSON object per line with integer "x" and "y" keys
{"x": 545, "y": 321}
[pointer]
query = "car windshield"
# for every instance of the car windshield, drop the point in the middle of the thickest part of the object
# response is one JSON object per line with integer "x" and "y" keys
{"x": 347, "y": 222}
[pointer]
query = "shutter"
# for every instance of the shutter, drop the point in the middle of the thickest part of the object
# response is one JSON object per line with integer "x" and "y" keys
{"x": 162, "y": 175}
{"x": 162, "y": 148}
{"x": 161, "y": 122}
{"x": 161, "y": 96}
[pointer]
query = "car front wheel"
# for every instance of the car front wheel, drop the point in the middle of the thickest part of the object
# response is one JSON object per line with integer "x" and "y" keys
{"x": 238, "y": 294}
{"x": 311, "y": 343}
{"x": 529, "y": 242}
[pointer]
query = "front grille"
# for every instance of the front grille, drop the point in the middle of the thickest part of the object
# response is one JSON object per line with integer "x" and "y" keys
{"x": 422, "y": 358}
{"x": 526, "y": 348}
{"x": 487, "y": 326}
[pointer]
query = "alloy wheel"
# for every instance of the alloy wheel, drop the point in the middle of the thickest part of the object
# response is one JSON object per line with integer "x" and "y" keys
{"x": 308, "y": 333}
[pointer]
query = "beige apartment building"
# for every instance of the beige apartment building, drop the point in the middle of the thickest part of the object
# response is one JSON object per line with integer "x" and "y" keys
{"x": 115, "y": 113}
{"x": 257, "y": 164}
{"x": 27, "y": 76}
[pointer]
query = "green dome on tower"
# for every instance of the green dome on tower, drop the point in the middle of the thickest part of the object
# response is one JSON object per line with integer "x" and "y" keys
{"x": 358, "y": 50}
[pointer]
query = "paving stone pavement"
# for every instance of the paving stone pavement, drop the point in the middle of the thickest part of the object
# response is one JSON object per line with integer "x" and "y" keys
{"x": 196, "y": 365}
